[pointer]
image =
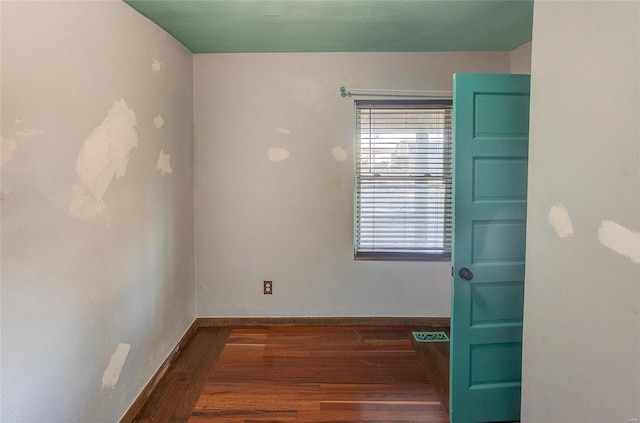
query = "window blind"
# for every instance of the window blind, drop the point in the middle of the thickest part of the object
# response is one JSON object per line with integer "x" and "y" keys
{"x": 403, "y": 179}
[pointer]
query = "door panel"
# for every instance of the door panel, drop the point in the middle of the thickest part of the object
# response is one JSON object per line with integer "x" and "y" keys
{"x": 499, "y": 179}
{"x": 491, "y": 117}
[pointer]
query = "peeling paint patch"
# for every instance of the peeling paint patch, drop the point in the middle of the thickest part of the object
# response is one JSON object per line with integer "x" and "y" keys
{"x": 156, "y": 66}
{"x": 620, "y": 239}
{"x": 164, "y": 163}
{"x": 278, "y": 154}
{"x": 9, "y": 147}
{"x": 104, "y": 154}
{"x": 158, "y": 121}
{"x": 339, "y": 153}
{"x": 22, "y": 131}
{"x": 112, "y": 373}
{"x": 284, "y": 131}
{"x": 560, "y": 220}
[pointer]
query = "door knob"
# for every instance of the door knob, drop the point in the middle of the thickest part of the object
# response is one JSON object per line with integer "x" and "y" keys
{"x": 465, "y": 274}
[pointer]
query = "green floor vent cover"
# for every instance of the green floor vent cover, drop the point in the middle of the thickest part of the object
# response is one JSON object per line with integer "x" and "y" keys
{"x": 430, "y": 336}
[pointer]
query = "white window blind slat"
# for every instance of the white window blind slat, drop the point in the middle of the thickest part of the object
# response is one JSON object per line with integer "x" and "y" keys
{"x": 403, "y": 179}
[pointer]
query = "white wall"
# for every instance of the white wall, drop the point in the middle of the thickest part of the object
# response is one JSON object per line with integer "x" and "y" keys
{"x": 582, "y": 325}
{"x": 521, "y": 59}
{"x": 290, "y": 221}
{"x": 97, "y": 243}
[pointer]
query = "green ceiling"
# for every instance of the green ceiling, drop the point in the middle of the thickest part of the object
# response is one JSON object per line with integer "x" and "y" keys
{"x": 235, "y": 26}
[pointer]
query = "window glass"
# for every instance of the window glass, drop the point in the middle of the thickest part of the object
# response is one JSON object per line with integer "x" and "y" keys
{"x": 403, "y": 180}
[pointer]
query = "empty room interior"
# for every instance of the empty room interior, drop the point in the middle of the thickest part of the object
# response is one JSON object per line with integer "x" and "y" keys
{"x": 152, "y": 181}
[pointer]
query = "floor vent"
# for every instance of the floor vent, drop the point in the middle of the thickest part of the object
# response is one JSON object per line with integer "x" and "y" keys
{"x": 430, "y": 337}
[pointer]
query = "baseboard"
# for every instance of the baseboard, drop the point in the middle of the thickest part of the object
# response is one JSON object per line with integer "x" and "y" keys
{"x": 440, "y": 322}
{"x": 144, "y": 395}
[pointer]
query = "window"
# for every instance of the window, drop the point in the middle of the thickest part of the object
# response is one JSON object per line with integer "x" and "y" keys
{"x": 403, "y": 180}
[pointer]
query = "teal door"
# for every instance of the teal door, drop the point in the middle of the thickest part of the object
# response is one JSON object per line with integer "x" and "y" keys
{"x": 491, "y": 135}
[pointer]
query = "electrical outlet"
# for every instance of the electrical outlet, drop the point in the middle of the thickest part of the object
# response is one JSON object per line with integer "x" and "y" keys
{"x": 267, "y": 287}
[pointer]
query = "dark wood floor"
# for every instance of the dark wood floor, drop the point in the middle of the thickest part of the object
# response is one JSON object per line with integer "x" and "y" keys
{"x": 304, "y": 374}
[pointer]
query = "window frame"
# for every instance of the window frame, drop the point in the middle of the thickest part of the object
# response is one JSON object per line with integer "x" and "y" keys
{"x": 417, "y": 254}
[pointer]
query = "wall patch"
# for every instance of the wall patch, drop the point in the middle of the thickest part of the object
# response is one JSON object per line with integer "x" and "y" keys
{"x": 104, "y": 154}
{"x": 164, "y": 163}
{"x": 620, "y": 239}
{"x": 278, "y": 154}
{"x": 156, "y": 66}
{"x": 284, "y": 131}
{"x": 560, "y": 221}
{"x": 158, "y": 121}
{"x": 339, "y": 153}
{"x": 112, "y": 372}
{"x": 22, "y": 131}
{"x": 9, "y": 147}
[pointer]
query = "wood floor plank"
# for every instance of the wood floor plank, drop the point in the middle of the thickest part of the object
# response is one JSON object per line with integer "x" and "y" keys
{"x": 323, "y": 374}
{"x": 319, "y": 374}
{"x": 435, "y": 358}
{"x": 157, "y": 401}
{"x": 179, "y": 389}
{"x": 213, "y": 344}
{"x": 176, "y": 400}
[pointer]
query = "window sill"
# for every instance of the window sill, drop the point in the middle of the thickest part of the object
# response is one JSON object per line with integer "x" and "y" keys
{"x": 382, "y": 256}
